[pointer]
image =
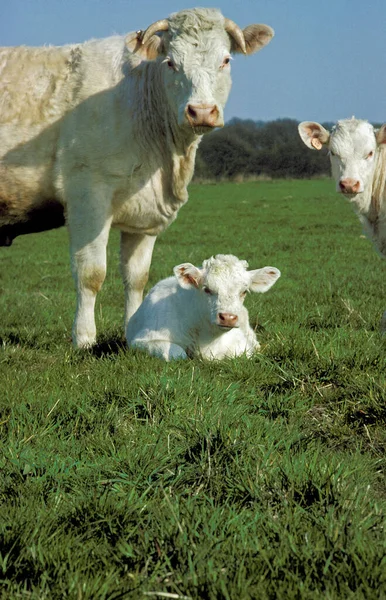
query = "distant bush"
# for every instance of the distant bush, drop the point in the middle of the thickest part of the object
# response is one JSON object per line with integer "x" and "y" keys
{"x": 247, "y": 149}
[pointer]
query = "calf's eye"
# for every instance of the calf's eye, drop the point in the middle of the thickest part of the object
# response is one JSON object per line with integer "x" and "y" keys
{"x": 370, "y": 154}
{"x": 243, "y": 294}
{"x": 226, "y": 61}
{"x": 207, "y": 290}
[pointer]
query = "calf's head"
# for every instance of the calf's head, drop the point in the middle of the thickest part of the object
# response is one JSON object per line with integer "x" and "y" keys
{"x": 221, "y": 285}
{"x": 353, "y": 146}
{"x": 193, "y": 49}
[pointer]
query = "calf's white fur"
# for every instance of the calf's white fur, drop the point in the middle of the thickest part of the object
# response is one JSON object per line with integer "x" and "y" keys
{"x": 199, "y": 311}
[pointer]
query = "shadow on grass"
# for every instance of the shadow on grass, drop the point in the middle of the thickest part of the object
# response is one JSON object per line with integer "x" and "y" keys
{"x": 28, "y": 340}
{"x": 109, "y": 347}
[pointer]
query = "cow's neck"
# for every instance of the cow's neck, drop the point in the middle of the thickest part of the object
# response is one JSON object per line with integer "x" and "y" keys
{"x": 172, "y": 147}
{"x": 371, "y": 204}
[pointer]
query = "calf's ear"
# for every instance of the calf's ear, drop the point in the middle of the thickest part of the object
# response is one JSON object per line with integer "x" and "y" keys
{"x": 313, "y": 134}
{"x": 188, "y": 275}
{"x": 381, "y": 135}
{"x": 262, "y": 279}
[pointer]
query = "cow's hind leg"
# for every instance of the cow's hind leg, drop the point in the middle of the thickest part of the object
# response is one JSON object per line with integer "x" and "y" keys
{"x": 89, "y": 225}
{"x": 136, "y": 253}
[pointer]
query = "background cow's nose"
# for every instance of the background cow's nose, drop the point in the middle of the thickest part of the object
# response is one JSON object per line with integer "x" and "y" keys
{"x": 227, "y": 319}
{"x": 203, "y": 115}
{"x": 349, "y": 185}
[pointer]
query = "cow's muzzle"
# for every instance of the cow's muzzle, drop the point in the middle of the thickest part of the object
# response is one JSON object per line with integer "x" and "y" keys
{"x": 349, "y": 186}
{"x": 203, "y": 115}
{"x": 227, "y": 320}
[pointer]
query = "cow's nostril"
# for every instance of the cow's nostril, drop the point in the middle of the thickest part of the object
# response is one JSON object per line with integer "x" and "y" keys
{"x": 191, "y": 112}
{"x": 227, "y": 319}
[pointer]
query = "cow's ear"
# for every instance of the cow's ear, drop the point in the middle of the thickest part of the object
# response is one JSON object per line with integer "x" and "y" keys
{"x": 256, "y": 37}
{"x": 261, "y": 280}
{"x": 381, "y": 135}
{"x": 149, "y": 51}
{"x": 313, "y": 134}
{"x": 188, "y": 275}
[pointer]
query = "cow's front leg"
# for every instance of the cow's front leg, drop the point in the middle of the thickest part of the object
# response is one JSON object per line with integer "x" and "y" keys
{"x": 89, "y": 225}
{"x": 136, "y": 253}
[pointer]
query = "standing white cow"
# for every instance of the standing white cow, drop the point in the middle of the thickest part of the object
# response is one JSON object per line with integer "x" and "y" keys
{"x": 104, "y": 134}
{"x": 358, "y": 163}
{"x": 200, "y": 311}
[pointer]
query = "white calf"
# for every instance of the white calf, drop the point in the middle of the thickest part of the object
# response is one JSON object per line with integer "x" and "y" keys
{"x": 200, "y": 311}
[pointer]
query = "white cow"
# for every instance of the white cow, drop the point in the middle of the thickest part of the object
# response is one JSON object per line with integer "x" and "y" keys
{"x": 200, "y": 311}
{"x": 104, "y": 134}
{"x": 358, "y": 163}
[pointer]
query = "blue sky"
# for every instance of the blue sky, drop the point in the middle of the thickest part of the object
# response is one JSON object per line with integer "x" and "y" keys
{"x": 326, "y": 62}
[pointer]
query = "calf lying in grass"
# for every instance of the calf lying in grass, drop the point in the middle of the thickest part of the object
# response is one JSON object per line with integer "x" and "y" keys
{"x": 199, "y": 311}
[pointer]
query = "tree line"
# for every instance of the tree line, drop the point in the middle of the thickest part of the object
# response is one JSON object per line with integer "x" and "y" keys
{"x": 246, "y": 148}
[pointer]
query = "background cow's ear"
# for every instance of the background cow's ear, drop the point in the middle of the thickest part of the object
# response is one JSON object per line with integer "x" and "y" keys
{"x": 313, "y": 134}
{"x": 149, "y": 51}
{"x": 188, "y": 275}
{"x": 381, "y": 135}
{"x": 262, "y": 279}
{"x": 256, "y": 37}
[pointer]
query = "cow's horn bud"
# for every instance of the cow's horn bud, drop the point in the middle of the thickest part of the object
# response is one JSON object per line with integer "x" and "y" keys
{"x": 235, "y": 31}
{"x": 161, "y": 25}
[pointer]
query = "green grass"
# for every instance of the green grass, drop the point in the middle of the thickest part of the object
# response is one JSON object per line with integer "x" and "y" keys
{"x": 122, "y": 476}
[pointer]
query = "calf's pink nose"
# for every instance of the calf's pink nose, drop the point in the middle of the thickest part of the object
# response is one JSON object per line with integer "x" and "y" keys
{"x": 227, "y": 319}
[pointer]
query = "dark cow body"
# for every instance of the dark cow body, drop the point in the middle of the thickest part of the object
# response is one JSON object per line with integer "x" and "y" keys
{"x": 43, "y": 217}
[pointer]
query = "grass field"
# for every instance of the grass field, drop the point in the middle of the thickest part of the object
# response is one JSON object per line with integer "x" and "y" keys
{"x": 125, "y": 477}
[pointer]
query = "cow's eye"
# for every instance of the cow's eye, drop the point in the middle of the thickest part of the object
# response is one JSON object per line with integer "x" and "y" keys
{"x": 170, "y": 64}
{"x": 370, "y": 154}
{"x": 332, "y": 153}
{"x": 243, "y": 294}
{"x": 207, "y": 290}
{"x": 226, "y": 61}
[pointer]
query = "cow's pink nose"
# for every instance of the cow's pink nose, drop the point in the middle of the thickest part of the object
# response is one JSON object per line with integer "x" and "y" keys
{"x": 203, "y": 115}
{"x": 227, "y": 320}
{"x": 349, "y": 185}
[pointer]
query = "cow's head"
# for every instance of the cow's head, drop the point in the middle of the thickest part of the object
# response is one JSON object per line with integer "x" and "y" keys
{"x": 193, "y": 49}
{"x": 353, "y": 146}
{"x": 222, "y": 284}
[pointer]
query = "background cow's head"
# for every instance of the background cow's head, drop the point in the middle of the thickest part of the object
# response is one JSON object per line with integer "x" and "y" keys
{"x": 353, "y": 146}
{"x": 222, "y": 284}
{"x": 193, "y": 49}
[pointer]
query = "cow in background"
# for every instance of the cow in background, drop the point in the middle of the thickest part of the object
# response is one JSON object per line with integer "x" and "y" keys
{"x": 358, "y": 164}
{"x": 104, "y": 134}
{"x": 200, "y": 312}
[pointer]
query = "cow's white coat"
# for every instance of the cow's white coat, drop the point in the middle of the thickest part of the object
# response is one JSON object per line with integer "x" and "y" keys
{"x": 99, "y": 135}
{"x": 358, "y": 163}
{"x": 184, "y": 315}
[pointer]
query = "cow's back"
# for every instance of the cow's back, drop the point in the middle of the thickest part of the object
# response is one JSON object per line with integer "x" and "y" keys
{"x": 38, "y": 88}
